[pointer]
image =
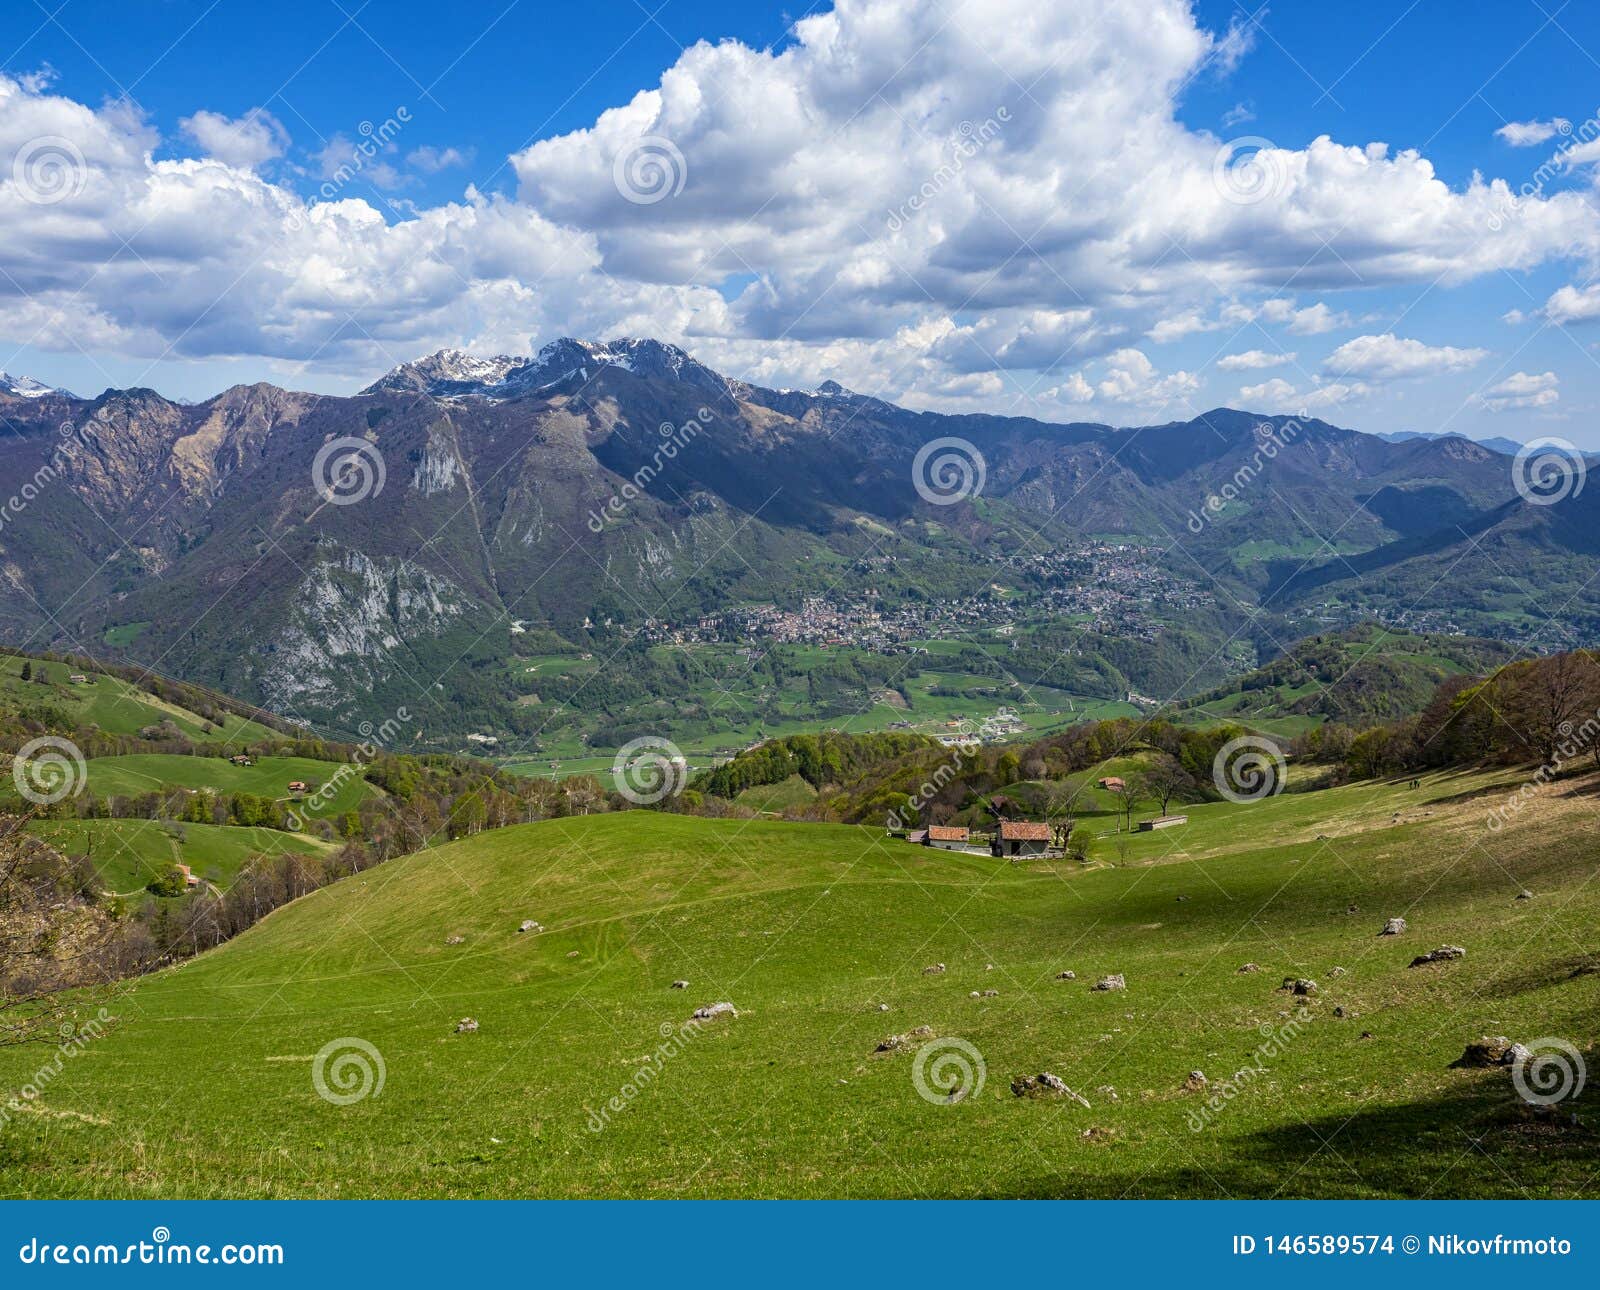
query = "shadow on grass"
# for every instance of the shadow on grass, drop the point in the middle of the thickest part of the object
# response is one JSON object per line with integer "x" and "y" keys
{"x": 1478, "y": 1141}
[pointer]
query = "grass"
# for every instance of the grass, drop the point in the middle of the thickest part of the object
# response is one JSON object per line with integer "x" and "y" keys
{"x": 128, "y": 854}
{"x": 269, "y": 777}
{"x": 115, "y": 705}
{"x": 204, "y": 1087}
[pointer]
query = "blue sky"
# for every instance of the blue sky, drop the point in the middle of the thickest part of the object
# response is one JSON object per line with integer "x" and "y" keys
{"x": 1070, "y": 267}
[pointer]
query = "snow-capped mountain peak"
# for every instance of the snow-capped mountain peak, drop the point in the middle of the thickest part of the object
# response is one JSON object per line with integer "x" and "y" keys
{"x": 451, "y": 373}
{"x": 25, "y": 387}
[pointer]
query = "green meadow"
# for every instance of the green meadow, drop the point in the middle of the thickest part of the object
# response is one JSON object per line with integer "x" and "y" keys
{"x": 581, "y": 1079}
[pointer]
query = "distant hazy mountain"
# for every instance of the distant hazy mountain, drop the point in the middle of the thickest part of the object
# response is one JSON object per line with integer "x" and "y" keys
{"x": 592, "y": 487}
{"x": 1497, "y": 443}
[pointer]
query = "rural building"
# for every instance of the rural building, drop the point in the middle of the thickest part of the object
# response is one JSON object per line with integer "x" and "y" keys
{"x": 947, "y": 837}
{"x": 1113, "y": 783}
{"x": 1162, "y": 822}
{"x": 918, "y": 836}
{"x": 297, "y": 786}
{"x": 1020, "y": 838}
{"x": 240, "y": 759}
{"x": 189, "y": 880}
{"x": 78, "y": 678}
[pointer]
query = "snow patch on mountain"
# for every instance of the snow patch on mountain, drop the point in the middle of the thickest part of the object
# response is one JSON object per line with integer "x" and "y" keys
{"x": 25, "y": 387}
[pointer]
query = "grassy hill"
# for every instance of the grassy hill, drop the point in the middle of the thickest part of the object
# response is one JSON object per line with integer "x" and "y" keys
{"x": 128, "y": 854}
{"x": 117, "y": 706}
{"x": 820, "y": 935}
{"x": 269, "y": 777}
{"x": 1360, "y": 676}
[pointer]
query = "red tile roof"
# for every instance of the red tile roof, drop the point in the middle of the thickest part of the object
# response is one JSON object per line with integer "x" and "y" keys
{"x": 1023, "y": 831}
{"x": 947, "y": 833}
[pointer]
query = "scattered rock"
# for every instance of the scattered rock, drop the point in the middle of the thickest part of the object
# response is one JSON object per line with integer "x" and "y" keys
{"x": 713, "y": 1011}
{"x": 935, "y": 969}
{"x": 1441, "y": 955}
{"x": 1366, "y": 1034}
{"x": 1181, "y": 899}
{"x": 1250, "y": 967}
{"x": 1337, "y": 971}
{"x": 1045, "y": 1084}
{"x": 911, "y": 1038}
{"x": 1339, "y": 1011}
{"x": 991, "y": 994}
{"x": 988, "y": 967}
{"x": 455, "y": 940}
{"x": 1352, "y": 909}
{"x": 1113, "y": 982}
{"x": 466, "y": 1026}
{"x": 572, "y": 954}
{"x": 1197, "y": 1080}
{"x": 1494, "y": 1050}
{"x": 1066, "y": 976}
{"x": 1298, "y": 985}
{"x": 1107, "y": 1090}
{"x": 528, "y": 925}
{"x": 1524, "y": 894}
{"x": 680, "y": 985}
{"x": 1393, "y": 927}
{"x": 883, "y": 1007}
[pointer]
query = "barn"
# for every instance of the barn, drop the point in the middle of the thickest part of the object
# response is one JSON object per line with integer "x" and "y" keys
{"x": 947, "y": 837}
{"x": 1020, "y": 838}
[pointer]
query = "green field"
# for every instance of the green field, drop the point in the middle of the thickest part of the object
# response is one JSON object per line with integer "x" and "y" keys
{"x": 204, "y": 1088}
{"x": 128, "y": 854}
{"x": 114, "y": 705}
{"x": 269, "y": 777}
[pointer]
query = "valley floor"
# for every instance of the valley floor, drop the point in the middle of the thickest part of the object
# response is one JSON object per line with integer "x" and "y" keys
{"x": 582, "y": 1079}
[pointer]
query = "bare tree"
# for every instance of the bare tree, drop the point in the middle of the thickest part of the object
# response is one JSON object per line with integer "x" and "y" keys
{"x": 1166, "y": 778}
